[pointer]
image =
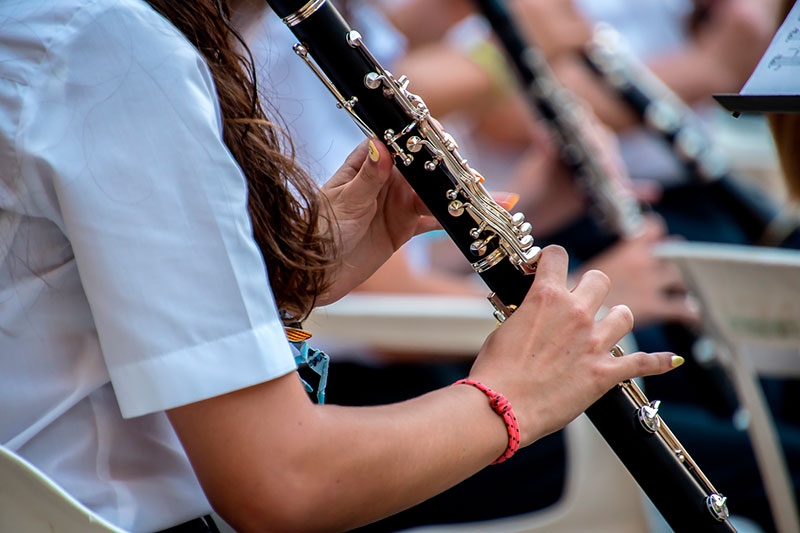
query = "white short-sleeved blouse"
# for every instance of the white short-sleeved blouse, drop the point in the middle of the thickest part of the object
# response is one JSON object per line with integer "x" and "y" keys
{"x": 129, "y": 279}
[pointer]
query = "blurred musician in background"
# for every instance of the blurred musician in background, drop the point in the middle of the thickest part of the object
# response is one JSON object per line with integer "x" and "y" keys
{"x": 457, "y": 80}
{"x": 462, "y": 80}
{"x": 715, "y": 40}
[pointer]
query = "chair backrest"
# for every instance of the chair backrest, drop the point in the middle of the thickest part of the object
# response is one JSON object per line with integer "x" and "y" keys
{"x": 751, "y": 295}
{"x": 750, "y": 299}
{"x": 30, "y": 502}
{"x": 441, "y": 325}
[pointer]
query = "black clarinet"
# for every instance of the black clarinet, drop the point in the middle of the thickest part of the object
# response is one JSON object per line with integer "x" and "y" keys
{"x": 498, "y": 245}
{"x": 555, "y": 104}
{"x": 663, "y": 112}
{"x": 615, "y": 209}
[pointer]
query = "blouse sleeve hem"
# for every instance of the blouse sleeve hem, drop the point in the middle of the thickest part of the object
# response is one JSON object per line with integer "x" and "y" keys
{"x": 202, "y": 371}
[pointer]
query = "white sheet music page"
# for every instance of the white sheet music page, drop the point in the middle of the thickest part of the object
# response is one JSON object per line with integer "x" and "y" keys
{"x": 778, "y": 72}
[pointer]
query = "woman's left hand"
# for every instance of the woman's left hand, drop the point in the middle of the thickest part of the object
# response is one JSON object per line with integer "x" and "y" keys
{"x": 374, "y": 211}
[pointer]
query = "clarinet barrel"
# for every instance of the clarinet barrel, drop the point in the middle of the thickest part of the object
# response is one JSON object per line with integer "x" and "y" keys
{"x": 497, "y": 244}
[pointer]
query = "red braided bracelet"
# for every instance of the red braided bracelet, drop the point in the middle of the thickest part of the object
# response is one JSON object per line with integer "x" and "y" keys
{"x": 502, "y": 407}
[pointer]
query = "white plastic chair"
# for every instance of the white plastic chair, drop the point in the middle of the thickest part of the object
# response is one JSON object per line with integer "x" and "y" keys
{"x": 750, "y": 297}
{"x": 30, "y": 502}
{"x": 439, "y": 325}
{"x": 599, "y": 494}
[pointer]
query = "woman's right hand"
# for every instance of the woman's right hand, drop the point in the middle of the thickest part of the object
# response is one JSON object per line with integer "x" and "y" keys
{"x": 551, "y": 359}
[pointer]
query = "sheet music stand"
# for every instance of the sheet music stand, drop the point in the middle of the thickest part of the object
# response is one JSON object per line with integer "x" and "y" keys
{"x": 739, "y": 104}
{"x": 773, "y": 86}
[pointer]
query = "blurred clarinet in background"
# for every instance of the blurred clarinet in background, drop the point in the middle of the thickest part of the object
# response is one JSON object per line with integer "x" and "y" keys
{"x": 612, "y": 205}
{"x": 660, "y": 110}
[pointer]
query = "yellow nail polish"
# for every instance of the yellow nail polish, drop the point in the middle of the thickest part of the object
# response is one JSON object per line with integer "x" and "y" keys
{"x": 374, "y": 154}
{"x": 677, "y": 361}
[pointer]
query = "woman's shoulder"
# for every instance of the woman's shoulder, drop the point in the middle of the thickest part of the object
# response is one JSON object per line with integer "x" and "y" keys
{"x": 46, "y": 32}
{"x": 80, "y": 68}
{"x": 54, "y": 17}
{"x": 82, "y": 51}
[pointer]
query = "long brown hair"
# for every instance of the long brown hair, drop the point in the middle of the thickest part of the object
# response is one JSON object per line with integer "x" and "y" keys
{"x": 284, "y": 204}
